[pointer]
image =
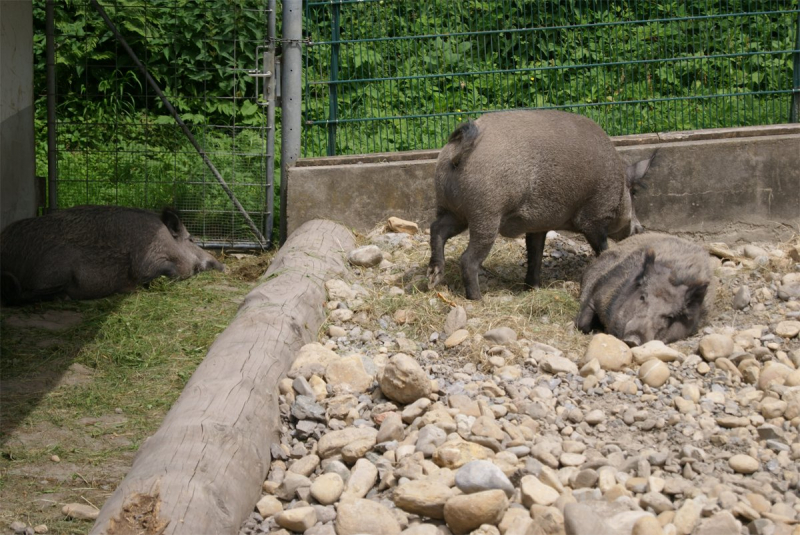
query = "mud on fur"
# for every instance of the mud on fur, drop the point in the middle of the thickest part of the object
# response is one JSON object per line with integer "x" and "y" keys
{"x": 88, "y": 252}
{"x": 649, "y": 287}
{"x": 528, "y": 172}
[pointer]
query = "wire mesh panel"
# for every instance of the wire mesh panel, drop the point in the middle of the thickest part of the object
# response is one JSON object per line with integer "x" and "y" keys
{"x": 116, "y": 141}
{"x": 387, "y": 76}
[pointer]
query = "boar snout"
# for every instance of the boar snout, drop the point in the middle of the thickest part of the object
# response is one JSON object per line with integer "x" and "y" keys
{"x": 632, "y": 228}
{"x": 633, "y": 341}
{"x": 213, "y": 263}
{"x": 639, "y": 331}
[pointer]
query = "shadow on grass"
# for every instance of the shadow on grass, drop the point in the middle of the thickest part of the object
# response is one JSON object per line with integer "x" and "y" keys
{"x": 38, "y": 344}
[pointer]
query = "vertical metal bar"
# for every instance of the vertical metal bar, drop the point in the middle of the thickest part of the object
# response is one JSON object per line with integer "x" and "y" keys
{"x": 269, "y": 90}
{"x": 333, "y": 111}
{"x": 291, "y": 89}
{"x": 795, "y": 115}
{"x": 50, "y": 30}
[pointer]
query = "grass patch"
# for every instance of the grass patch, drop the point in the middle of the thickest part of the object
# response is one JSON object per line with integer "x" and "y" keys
{"x": 92, "y": 392}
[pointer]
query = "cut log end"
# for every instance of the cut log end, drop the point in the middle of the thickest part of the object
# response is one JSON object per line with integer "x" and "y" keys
{"x": 139, "y": 516}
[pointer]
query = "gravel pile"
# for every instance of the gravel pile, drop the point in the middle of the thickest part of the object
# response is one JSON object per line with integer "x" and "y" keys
{"x": 385, "y": 434}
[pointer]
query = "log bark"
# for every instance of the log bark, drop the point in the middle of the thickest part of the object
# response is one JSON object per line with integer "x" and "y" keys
{"x": 201, "y": 472}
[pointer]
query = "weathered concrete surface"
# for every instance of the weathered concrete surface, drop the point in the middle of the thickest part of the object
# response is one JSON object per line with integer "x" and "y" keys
{"x": 729, "y": 184}
{"x": 17, "y": 160}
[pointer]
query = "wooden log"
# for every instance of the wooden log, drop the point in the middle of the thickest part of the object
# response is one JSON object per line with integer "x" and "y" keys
{"x": 201, "y": 472}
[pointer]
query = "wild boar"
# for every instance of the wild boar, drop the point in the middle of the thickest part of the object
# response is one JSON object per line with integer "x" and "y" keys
{"x": 89, "y": 252}
{"x": 528, "y": 172}
{"x": 649, "y": 287}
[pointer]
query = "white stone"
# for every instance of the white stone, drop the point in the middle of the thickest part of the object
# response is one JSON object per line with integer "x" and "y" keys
{"x": 327, "y": 488}
{"x": 403, "y": 380}
{"x": 268, "y": 506}
{"x": 743, "y": 464}
{"x": 535, "y": 492}
{"x": 298, "y": 519}
{"x": 468, "y": 512}
{"x": 612, "y": 353}
{"x": 366, "y": 256}
{"x": 365, "y": 517}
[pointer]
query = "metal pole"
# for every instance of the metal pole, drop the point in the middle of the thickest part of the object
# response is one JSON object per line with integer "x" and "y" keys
{"x": 291, "y": 93}
{"x": 333, "y": 113}
{"x": 269, "y": 66}
{"x": 795, "y": 115}
{"x": 186, "y": 131}
{"x": 50, "y": 30}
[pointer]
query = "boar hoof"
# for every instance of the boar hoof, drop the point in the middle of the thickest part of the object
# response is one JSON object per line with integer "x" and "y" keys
{"x": 435, "y": 276}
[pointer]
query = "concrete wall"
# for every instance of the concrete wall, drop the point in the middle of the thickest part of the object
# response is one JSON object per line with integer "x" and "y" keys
{"x": 17, "y": 159}
{"x": 727, "y": 184}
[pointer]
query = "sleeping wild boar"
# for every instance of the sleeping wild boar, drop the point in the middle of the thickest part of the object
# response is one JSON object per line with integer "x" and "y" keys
{"x": 89, "y": 252}
{"x": 528, "y": 172}
{"x": 649, "y": 287}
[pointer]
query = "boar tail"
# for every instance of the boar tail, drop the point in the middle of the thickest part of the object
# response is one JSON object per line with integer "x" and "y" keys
{"x": 463, "y": 138}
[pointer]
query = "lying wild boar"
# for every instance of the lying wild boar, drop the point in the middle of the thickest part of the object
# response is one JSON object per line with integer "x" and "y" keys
{"x": 649, "y": 287}
{"x": 528, "y": 172}
{"x": 89, "y": 252}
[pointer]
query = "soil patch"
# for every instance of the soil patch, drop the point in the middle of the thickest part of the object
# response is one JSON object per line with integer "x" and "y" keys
{"x": 248, "y": 268}
{"x": 51, "y": 320}
{"x": 84, "y": 383}
{"x": 77, "y": 374}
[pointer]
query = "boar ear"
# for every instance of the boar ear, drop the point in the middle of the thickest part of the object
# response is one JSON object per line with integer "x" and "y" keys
{"x": 695, "y": 294}
{"x": 647, "y": 265}
{"x": 636, "y": 171}
{"x": 171, "y": 221}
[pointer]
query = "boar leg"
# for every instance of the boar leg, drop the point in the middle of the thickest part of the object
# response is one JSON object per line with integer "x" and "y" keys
{"x": 12, "y": 293}
{"x": 534, "y": 243}
{"x": 445, "y": 227}
{"x": 480, "y": 244}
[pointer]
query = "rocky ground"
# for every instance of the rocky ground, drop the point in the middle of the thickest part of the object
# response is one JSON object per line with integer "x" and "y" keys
{"x": 456, "y": 428}
{"x": 419, "y": 412}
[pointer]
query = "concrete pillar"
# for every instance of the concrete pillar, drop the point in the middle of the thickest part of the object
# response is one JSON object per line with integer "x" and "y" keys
{"x": 17, "y": 158}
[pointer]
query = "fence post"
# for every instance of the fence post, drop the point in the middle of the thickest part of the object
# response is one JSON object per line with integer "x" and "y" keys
{"x": 50, "y": 30}
{"x": 270, "y": 85}
{"x": 291, "y": 93}
{"x": 795, "y": 118}
{"x": 333, "y": 114}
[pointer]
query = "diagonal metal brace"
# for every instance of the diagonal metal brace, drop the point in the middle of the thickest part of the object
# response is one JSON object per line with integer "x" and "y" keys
{"x": 167, "y": 104}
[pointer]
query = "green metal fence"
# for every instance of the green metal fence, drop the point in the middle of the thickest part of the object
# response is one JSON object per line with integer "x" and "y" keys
{"x": 384, "y": 75}
{"x": 117, "y": 143}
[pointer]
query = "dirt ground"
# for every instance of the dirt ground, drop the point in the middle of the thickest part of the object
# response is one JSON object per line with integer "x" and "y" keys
{"x": 82, "y": 384}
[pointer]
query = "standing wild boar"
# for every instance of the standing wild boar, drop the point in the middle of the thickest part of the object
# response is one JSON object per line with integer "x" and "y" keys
{"x": 89, "y": 252}
{"x": 649, "y": 287}
{"x": 528, "y": 172}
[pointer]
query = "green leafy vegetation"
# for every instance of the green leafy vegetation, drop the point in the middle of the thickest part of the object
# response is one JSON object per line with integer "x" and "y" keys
{"x": 118, "y": 144}
{"x": 407, "y": 73}
{"x": 634, "y": 67}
